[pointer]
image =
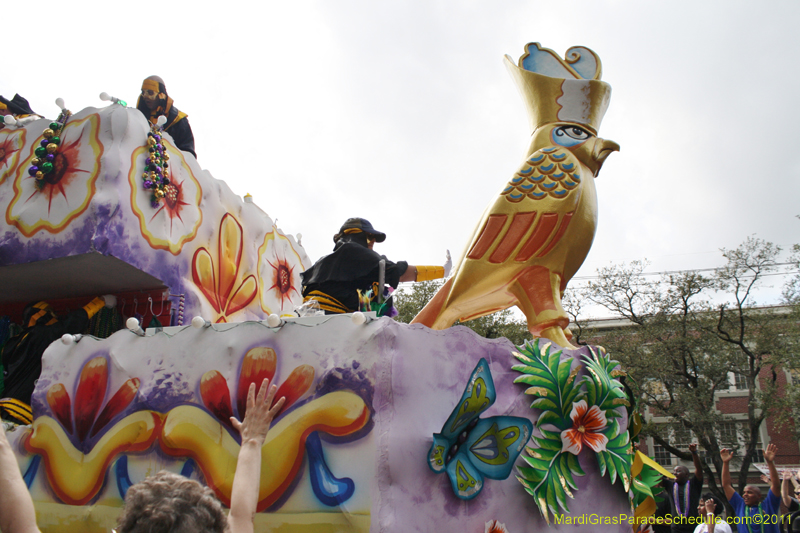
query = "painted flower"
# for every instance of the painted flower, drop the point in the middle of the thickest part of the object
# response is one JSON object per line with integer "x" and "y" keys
{"x": 258, "y": 363}
{"x": 174, "y": 221}
{"x": 76, "y": 474}
{"x": 216, "y": 282}
{"x": 587, "y": 425}
{"x": 11, "y": 142}
{"x": 67, "y": 190}
{"x": 279, "y": 268}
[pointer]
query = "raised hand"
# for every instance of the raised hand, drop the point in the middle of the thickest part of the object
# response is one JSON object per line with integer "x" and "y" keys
{"x": 725, "y": 454}
{"x": 259, "y": 415}
{"x": 693, "y": 448}
{"x": 770, "y": 452}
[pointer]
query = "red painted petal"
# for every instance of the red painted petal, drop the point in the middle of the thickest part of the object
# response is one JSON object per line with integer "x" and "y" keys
{"x": 122, "y": 399}
{"x": 595, "y": 420}
{"x": 216, "y": 396}
{"x": 298, "y": 382}
{"x": 571, "y": 441}
{"x": 90, "y": 394}
{"x": 578, "y": 412}
{"x": 61, "y": 405}
{"x": 495, "y": 527}
{"x": 595, "y": 441}
{"x": 258, "y": 363}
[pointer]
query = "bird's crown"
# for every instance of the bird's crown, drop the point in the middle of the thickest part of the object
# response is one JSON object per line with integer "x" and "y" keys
{"x": 561, "y": 90}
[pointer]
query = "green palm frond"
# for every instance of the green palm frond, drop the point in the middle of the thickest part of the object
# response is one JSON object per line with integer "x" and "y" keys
{"x": 602, "y": 389}
{"x": 643, "y": 484}
{"x": 618, "y": 455}
{"x": 551, "y": 380}
{"x": 550, "y": 476}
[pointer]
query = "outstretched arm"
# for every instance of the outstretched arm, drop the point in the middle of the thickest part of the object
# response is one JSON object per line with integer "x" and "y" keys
{"x": 785, "y": 497}
{"x": 427, "y": 273}
{"x": 246, "y": 481}
{"x": 725, "y": 477}
{"x": 698, "y": 467}
{"x": 769, "y": 457}
{"x": 707, "y": 508}
{"x": 16, "y": 507}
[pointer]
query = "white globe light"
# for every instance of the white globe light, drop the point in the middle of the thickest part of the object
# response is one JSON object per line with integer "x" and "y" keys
{"x": 273, "y": 320}
{"x": 161, "y": 120}
{"x": 198, "y": 322}
{"x": 132, "y": 324}
{"x": 67, "y": 339}
{"x": 104, "y": 96}
{"x": 60, "y": 103}
{"x": 359, "y": 318}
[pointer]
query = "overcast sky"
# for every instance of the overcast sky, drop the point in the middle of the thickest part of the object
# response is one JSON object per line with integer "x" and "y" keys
{"x": 403, "y": 113}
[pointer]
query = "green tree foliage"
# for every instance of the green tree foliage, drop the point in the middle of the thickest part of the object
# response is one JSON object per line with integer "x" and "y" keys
{"x": 791, "y": 291}
{"x": 410, "y": 299}
{"x": 684, "y": 335}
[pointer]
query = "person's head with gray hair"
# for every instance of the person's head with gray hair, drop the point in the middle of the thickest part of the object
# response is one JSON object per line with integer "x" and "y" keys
{"x": 171, "y": 503}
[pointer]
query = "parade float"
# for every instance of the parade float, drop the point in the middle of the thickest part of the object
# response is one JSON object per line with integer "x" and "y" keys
{"x": 386, "y": 427}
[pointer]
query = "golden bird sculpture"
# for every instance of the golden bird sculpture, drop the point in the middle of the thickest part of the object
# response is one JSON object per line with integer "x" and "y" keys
{"x": 536, "y": 233}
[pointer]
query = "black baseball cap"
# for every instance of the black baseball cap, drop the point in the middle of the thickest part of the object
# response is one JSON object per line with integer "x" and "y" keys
{"x": 18, "y": 105}
{"x": 359, "y": 225}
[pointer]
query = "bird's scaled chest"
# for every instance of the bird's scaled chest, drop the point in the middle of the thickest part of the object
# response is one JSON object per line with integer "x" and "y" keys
{"x": 549, "y": 174}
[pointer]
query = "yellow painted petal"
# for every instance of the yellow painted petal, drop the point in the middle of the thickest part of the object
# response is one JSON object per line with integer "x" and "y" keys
{"x": 203, "y": 276}
{"x": 230, "y": 255}
{"x": 76, "y": 477}
{"x": 191, "y": 431}
{"x": 244, "y": 294}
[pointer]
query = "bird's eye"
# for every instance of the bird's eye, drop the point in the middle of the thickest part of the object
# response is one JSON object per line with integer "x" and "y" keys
{"x": 570, "y": 135}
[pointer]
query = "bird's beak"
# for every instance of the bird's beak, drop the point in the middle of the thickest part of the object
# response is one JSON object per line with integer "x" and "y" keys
{"x": 603, "y": 149}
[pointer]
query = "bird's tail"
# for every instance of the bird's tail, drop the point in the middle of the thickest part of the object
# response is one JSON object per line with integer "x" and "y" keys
{"x": 432, "y": 311}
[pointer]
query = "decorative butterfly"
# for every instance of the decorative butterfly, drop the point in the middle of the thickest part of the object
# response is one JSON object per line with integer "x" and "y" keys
{"x": 470, "y": 448}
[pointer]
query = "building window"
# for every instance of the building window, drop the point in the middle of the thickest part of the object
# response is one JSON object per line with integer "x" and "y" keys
{"x": 759, "y": 458}
{"x": 681, "y": 438}
{"x": 738, "y": 381}
{"x": 729, "y": 435}
{"x": 661, "y": 455}
{"x": 732, "y": 435}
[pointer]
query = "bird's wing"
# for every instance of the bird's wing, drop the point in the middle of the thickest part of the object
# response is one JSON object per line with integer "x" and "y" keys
{"x": 533, "y": 209}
